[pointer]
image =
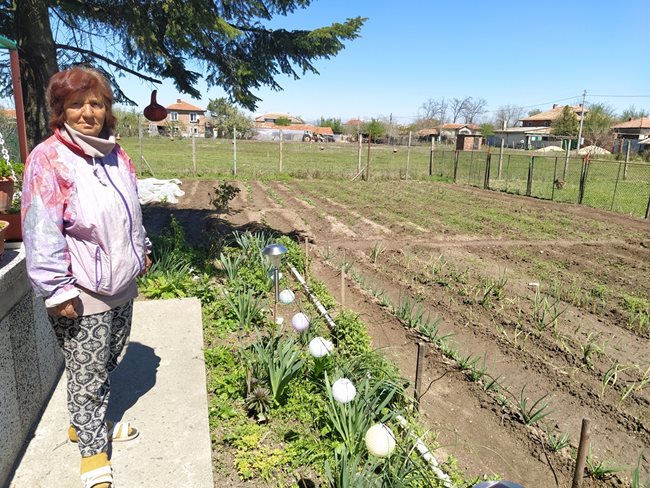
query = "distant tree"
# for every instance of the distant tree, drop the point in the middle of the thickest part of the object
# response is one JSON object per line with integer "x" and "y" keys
{"x": 127, "y": 122}
{"x": 534, "y": 111}
{"x": 566, "y": 124}
{"x": 434, "y": 110}
{"x": 457, "y": 106}
{"x": 225, "y": 117}
{"x": 375, "y": 128}
{"x": 486, "y": 129}
{"x": 632, "y": 113}
{"x": 333, "y": 123}
{"x": 283, "y": 121}
{"x": 508, "y": 116}
{"x": 473, "y": 108}
{"x": 597, "y": 128}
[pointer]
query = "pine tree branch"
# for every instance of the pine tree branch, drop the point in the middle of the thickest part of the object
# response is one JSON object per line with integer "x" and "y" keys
{"x": 106, "y": 60}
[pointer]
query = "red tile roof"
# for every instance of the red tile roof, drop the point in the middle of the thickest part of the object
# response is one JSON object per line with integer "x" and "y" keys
{"x": 459, "y": 126}
{"x": 8, "y": 112}
{"x": 181, "y": 106}
{"x": 642, "y": 123}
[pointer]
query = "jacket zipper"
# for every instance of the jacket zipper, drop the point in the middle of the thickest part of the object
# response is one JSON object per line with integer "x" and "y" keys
{"x": 128, "y": 212}
{"x": 98, "y": 269}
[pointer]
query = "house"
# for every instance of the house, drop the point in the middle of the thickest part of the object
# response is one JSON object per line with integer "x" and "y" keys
{"x": 8, "y": 113}
{"x": 545, "y": 119}
{"x": 524, "y": 137}
{"x": 183, "y": 119}
{"x": 450, "y": 132}
{"x": 428, "y": 134}
{"x": 274, "y": 116}
{"x": 635, "y": 132}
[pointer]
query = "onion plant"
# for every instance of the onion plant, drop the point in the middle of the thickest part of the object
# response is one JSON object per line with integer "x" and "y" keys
{"x": 531, "y": 414}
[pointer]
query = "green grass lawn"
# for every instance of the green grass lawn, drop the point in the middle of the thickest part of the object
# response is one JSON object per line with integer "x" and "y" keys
{"x": 610, "y": 184}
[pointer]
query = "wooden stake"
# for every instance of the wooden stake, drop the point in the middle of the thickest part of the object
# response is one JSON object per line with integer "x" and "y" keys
{"x": 418, "y": 375}
{"x": 343, "y": 286}
{"x": 583, "y": 448}
{"x": 306, "y": 258}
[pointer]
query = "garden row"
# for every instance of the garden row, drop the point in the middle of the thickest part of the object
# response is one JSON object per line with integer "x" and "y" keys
{"x": 299, "y": 402}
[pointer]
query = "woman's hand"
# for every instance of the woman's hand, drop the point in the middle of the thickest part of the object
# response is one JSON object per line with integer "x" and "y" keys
{"x": 147, "y": 265}
{"x": 65, "y": 309}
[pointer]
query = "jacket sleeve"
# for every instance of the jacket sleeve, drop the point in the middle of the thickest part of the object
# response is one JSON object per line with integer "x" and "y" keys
{"x": 46, "y": 251}
{"x": 134, "y": 179}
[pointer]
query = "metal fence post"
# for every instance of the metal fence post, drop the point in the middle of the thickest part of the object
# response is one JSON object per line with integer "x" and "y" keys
{"x": 431, "y": 158}
{"x": 647, "y": 209}
{"x": 456, "y": 165}
{"x": 618, "y": 175}
{"x": 554, "y": 180}
{"x": 529, "y": 183}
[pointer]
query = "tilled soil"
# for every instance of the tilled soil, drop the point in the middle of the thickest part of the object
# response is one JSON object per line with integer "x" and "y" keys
{"x": 445, "y": 273}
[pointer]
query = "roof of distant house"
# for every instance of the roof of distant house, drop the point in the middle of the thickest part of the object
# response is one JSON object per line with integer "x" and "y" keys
{"x": 554, "y": 113}
{"x": 354, "y": 122}
{"x": 642, "y": 123}
{"x": 458, "y": 126}
{"x": 8, "y": 112}
{"x": 181, "y": 106}
{"x": 278, "y": 115}
{"x": 429, "y": 132}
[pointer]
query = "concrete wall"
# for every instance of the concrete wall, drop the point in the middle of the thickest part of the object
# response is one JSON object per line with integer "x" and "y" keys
{"x": 30, "y": 359}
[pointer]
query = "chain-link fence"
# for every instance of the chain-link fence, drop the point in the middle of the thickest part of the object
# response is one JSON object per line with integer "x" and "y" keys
{"x": 621, "y": 186}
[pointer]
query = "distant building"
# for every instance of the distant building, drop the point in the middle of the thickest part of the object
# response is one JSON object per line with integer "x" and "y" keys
{"x": 183, "y": 120}
{"x": 272, "y": 118}
{"x": 636, "y": 132}
{"x": 545, "y": 119}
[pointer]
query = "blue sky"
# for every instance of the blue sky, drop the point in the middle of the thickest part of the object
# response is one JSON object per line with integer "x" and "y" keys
{"x": 530, "y": 54}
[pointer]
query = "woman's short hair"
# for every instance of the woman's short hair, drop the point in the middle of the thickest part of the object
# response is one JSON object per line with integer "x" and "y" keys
{"x": 73, "y": 81}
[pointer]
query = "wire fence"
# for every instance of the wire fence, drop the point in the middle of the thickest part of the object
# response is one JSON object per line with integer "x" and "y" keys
{"x": 620, "y": 186}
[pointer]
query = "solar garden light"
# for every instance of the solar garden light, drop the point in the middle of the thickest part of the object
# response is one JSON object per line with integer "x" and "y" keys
{"x": 274, "y": 253}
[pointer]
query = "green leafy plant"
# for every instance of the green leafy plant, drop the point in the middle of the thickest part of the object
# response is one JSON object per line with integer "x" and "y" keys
{"x": 246, "y": 306}
{"x": 259, "y": 401}
{"x": 558, "y": 440}
{"x": 531, "y": 414}
{"x": 221, "y": 196}
{"x": 231, "y": 263}
{"x": 599, "y": 470}
{"x": 350, "y": 335}
{"x": 637, "y": 481}
{"x": 277, "y": 361}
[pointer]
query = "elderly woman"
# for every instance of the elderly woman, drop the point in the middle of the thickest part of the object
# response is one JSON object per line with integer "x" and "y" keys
{"x": 85, "y": 245}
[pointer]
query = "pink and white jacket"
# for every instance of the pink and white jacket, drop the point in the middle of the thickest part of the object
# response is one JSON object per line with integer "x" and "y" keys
{"x": 82, "y": 223}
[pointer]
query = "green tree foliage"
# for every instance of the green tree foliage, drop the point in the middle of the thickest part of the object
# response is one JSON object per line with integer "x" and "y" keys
{"x": 127, "y": 122}
{"x": 231, "y": 41}
{"x": 486, "y": 129}
{"x": 375, "y": 128}
{"x": 282, "y": 121}
{"x": 534, "y": 111}
{"x": 226, "y": 117}
{"x": 566, "y": 124}
{"x": 334, "y": 124}
{"x": 632, "y": 113}
{"x": 598, "y": 123}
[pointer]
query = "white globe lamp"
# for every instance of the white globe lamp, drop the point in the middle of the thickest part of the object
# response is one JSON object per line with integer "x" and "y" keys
{"x": 343, "y": 390}
{"x": 287, "y": 297}
{"x": 300, "y": 322}
{"x": 320, "y": 347}
{"x": 380, "y": 440}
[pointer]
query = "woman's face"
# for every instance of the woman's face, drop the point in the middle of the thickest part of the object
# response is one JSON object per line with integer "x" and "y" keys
{"x": 85, "y": 112}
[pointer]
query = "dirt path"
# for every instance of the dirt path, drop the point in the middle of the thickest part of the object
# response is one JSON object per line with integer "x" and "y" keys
{"x": 395, "y": 258}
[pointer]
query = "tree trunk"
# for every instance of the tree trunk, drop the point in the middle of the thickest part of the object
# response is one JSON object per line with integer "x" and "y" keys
{"x": 37, "y": 64}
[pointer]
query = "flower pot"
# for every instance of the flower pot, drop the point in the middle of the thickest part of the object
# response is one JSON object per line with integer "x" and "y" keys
{"x": 14, "y": 232}
{"x": 3, "y": 229}
{"x": 6, "y": 194}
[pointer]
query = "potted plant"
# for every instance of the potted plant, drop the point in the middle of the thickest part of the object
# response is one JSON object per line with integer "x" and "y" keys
{"x": 10, "y": 189}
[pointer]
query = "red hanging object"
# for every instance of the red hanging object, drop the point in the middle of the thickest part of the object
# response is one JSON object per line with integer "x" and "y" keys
{"x": 154, "y": 111}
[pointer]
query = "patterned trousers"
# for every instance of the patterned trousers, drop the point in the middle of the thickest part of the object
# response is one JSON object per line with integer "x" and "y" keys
{"x": 93, "y": 346}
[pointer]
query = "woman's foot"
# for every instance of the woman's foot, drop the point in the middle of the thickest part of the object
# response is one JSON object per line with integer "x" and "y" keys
{"x": 117, "y": 432}
{"x": 96, "y": 471}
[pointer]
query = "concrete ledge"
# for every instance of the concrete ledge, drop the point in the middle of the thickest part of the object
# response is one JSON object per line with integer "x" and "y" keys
{"x": 160, "y": 387}
{"x": 30, "y": 359}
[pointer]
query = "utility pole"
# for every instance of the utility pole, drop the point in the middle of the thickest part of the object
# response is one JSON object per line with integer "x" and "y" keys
{"x": 582, "y": 119}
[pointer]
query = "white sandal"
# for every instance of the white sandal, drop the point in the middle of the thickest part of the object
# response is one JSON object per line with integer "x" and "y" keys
{"x": 120, "y": 432}
{"x": 97, "y": 476}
